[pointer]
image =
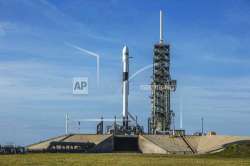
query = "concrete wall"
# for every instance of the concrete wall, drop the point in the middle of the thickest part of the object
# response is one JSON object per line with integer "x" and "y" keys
{"x": 105, "y": 146}
{"x": 102, "y": 142}
{"x": 146, "y": 146}
{"x": 43, "y": 145}
{"x": 207, "y": 144}
{"x": 149, "y": 143}
{"x": 173, "y": 145}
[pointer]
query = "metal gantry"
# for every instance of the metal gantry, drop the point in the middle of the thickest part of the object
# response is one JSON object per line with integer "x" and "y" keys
{"x": 161, "y": 87}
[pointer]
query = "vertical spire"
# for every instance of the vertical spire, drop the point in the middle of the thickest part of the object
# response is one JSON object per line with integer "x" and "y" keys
{"x": 66, "y": 124}
{"x": 161, "y": 26}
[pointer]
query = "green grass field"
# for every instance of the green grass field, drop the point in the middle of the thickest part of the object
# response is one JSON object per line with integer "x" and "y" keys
{"x": 116, "y": 159}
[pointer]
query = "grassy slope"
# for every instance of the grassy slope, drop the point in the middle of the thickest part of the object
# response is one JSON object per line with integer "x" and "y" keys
{"x": 236, "y": 150}
{"x": 117, "y": 159}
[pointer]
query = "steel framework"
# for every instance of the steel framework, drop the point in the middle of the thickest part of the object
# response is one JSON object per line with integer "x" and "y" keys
{"x": 161, "y": 87}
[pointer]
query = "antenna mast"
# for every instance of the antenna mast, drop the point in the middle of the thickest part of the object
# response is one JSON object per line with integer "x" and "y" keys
{"x": 161, "y": 27}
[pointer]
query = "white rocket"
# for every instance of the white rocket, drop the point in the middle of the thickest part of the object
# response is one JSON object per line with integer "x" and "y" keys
{"x": 125, "y": 85}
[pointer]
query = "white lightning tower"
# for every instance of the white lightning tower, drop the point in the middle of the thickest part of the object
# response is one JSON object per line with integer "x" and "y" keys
{"x": 66, "y": 124}
{"x": 125, "y": 84}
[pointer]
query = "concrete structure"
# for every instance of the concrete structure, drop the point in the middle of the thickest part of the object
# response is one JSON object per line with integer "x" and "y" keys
{"x": 159, "y": 144}
{"x": 148, "y": 147}
{"x": 213, "y": 143}
{"x": 101, "y": 143}
{"x": 172, "y": 145}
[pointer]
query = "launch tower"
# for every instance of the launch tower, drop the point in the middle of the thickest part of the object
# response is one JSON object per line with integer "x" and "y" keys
{"x": 161, "y": 86}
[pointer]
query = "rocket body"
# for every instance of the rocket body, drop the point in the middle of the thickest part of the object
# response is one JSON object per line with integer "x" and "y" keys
{"x": 125, "y": 85}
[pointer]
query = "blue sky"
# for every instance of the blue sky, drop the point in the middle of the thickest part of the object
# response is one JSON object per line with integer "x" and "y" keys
{"x": 210, "y": 58}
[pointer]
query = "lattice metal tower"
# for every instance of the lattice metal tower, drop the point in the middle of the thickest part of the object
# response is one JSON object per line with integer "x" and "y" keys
{"x": 161, "y": 87}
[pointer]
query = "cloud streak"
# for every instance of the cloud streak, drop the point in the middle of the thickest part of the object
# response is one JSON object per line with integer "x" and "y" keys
{"x": 92, "y": 54}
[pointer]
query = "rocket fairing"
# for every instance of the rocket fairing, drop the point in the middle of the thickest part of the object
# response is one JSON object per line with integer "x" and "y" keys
{"x": 125, "y": 85}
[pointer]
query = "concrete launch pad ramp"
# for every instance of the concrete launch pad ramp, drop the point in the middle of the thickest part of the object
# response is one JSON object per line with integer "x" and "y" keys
{"x": 86, "y": 138}
{"x": 148, "y": 147}
{"x": 161, "y": 144}
{"x": 213, "y": 143}
{"x": 43, "y": 145}
{"x": 166, "y": 144}
{"x": 100, "y": 141}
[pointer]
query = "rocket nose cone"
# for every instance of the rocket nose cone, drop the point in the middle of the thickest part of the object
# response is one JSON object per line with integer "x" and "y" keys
{"x": 125, "y": 50}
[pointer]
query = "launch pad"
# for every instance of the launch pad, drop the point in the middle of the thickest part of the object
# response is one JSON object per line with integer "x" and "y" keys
{"x": 125, "y": 134}
{"x": 147, "y": 144}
